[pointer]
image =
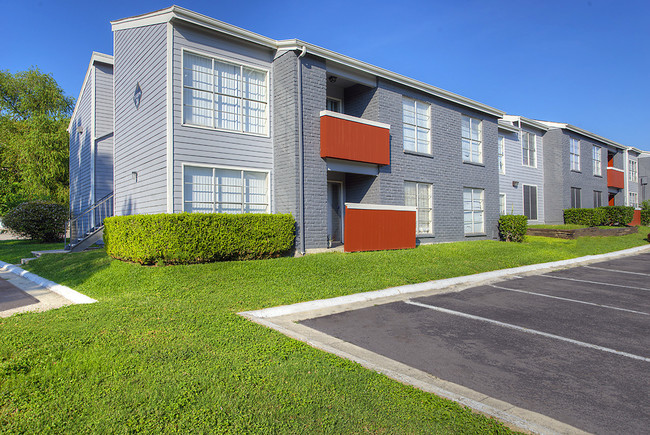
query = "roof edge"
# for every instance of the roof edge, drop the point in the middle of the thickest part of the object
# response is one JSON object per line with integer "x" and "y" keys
{"x": 584, "y": 132}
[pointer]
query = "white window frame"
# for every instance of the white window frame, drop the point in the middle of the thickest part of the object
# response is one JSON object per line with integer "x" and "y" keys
{"x": 502, "y": 154}
{"x": 634, "y": 199}
{"x": 416, "y": 127}
{"x": 338, "y": 100}
{"x": 523, "y": 201}
{"x": 230, "y": 168}
{"x": 574, "y": 154}
{"x": 633, "y": 173}
{"x": 597, "y": 156}
{"x": 471, "y": 141}
{"x": 417, "y": 206}
{"x": 526, "y": 151}
{"x": 481, "y": 193}
{"x": 503, "y": 204}
{"x": 241, "y": 65}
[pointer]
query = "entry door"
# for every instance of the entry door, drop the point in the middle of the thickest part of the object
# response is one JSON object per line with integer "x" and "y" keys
{"x": 334, "y": 212}
{"x": 612, "y": 199}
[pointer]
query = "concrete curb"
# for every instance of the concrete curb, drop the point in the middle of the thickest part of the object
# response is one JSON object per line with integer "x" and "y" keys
{"x": 71, "y": 295}
{"x": 285, "y": 310}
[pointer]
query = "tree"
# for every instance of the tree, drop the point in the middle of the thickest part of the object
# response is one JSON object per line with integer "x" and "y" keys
{"x": 34, "y": 115}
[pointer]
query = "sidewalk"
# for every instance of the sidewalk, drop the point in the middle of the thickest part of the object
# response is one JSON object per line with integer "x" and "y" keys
{"x": 19, "y": 295}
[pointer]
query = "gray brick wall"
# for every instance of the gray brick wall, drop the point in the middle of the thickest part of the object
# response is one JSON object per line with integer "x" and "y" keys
{"x": 644, "y": 172}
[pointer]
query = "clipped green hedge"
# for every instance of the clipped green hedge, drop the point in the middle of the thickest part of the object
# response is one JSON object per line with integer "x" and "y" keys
{"x": 608, "y": 215}
{"x": 645, "y": 217}
{"x": 186, "y": 238}
{"x": 513, "y": 227}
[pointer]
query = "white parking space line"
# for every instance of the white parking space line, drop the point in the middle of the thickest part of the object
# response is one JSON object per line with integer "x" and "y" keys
{"x": 570, "y": 300}
{"x": 596, "y": 282}
{"x": 616, "y": 270}
{"x": 528, "y": 330}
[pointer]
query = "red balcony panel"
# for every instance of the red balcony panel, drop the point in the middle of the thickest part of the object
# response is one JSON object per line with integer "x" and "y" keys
{"x": 376, "y": 228}
{"x": 347, "y": 138}
{"x": 615, "y": 178}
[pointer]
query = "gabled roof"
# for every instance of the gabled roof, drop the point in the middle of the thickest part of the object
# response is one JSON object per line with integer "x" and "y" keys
{"x": 94, "y": 58}
{"x": 508, "y": 126}
{"x": 179, "y": 14}
{"x": 525, "y": 121}
{"x": 574, "y": 129}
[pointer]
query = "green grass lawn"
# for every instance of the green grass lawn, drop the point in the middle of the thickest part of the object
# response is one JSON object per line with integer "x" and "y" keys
{"x": 164, "y": 350}
{"x": 11, "y": 251}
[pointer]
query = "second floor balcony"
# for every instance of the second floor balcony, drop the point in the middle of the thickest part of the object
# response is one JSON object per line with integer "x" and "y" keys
{"x": 615, "y": 178}
{"x": 345, "y": 137}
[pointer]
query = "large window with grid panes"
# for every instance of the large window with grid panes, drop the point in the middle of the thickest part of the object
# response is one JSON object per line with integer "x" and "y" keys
{"x": 416, "y": 117}
{"x": 574, "y": 154}
{"x": 597, "y": 160}
{"x": 634, "y": 199}
{"x": 472, "y": 138}
{"x": 224, "y": 95}
{"x": 530, "y": 202}
{"x": 633, "y": 171}
{"x": 473, "y": 210}
{"x": 502, "y": 154}
{"x": 224, "y": 190}
{"x": 420, "y": 196}
{"x": 529, "y": 149}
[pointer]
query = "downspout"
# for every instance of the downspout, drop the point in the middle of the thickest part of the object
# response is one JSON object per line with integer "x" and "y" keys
{"x": 301, "y": 154}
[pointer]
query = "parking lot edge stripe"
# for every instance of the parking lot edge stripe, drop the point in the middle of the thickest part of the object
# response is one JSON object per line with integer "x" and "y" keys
{"x": 528, "y": 330}
{"x": 569, "y": 300}
{"x": 616, "y": 270}
{"x": 596, "y": 282}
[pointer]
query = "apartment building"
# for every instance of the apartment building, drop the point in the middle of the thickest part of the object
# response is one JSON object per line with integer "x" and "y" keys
{"x": 192, "y": 114}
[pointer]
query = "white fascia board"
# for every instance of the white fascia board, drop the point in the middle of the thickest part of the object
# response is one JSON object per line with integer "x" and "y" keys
{"x": 354, "y": 119}
{"x": 148, "y": 19}
{"x": 533, "y": 123}
{"x": 585, "y": 133}
{"x": 295, "y": 44}
{"x": 507, "y": 127}
{"x": 356, "y": 206}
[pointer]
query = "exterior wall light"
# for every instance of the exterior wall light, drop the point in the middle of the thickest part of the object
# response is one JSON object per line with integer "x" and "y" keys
{"x": 134, "y": 176}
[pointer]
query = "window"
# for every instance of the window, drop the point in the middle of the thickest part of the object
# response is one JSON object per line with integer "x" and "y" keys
{"x": 575, "y": 154}
{"x": 502, "y": 155}
{"x": 416, "y": 117}
{"x": 334, "y": 105}
{"x": 224, "y": 95}
{"x": 219, "y": 190}
{"x": 473, "y": 210}
{"x": 530, "y": 202}
{"x": 502, "y": 204}
{"x": 634, "y": 172}
{"x": 598, "y": 166}
{"x": 634, "y": 199}
{"x": 529, "y": 149}
{"x": 471, "y": 138}
{"x": 575, "y": 197}
{"x": 419, "y": 195}
{"x": 598, "y": 198}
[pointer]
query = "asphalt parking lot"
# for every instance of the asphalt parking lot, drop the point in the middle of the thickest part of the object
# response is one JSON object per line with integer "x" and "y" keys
{"x": 571, "y": 344}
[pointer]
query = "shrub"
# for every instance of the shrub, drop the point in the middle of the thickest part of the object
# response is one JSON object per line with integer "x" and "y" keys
{"x": 38, "y": 220}
{"x": 186, "y": 238}
{"x": 645, "y": 205}
{"x": 591, "y": 217}
{"x": 512, "y": 227}
{"x": 618, "y": 215}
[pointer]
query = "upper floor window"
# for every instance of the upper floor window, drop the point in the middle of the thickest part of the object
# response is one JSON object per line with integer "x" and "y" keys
{"x": 598, "y": 166}
{"x": 502, "y": 155}
{"x": 529, "y": 149}
{"x": 574, "y": 149}
{"x": 334, "y": 105}
{"x": 224, "y": 95}
{"x": 417, "y": 121}
{"x": 634, "y": 171}
{"x": 418, "y": 195}
{"x": 222, "y": 190}
{"x": 472, "y": 140}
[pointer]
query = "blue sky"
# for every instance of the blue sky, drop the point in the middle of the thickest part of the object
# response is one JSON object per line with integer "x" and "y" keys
{"x": 585, "y": 62}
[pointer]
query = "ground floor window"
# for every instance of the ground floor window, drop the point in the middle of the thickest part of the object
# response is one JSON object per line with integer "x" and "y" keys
{"x": 634, "y": 199}
{"x": 598, "y": 198}
{"x": 502, "y": 204}
{"x": 575, "y": 197}
{"x": 419, "y": 195}
{"x": 221, "y": 190}
{"x": 474, "y": 211}
{"x": 530, "y": 202}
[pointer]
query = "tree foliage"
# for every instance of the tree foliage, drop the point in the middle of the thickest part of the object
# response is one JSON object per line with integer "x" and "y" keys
{"x": 34, "y": 115}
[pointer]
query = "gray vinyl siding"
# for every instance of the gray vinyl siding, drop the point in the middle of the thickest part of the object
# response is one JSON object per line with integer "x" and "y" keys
{"x": 644, "y": 177}
{"x": 103, "y": 130}
{"x": 633, "y": 186}
{"x": 103, "y": 166}
{"x": 80, "y": 152}
{"x": 524, "y": 175}
{"x": 205, "y": 146}
{"x": 559, "y": 178}
{"x": 140, "y": 133}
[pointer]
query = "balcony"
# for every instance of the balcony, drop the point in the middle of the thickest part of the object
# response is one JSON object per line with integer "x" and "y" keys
{"x": 370, "y": 227}
{"x": 353, "y": 139}
{"x": 615, "y": 178}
